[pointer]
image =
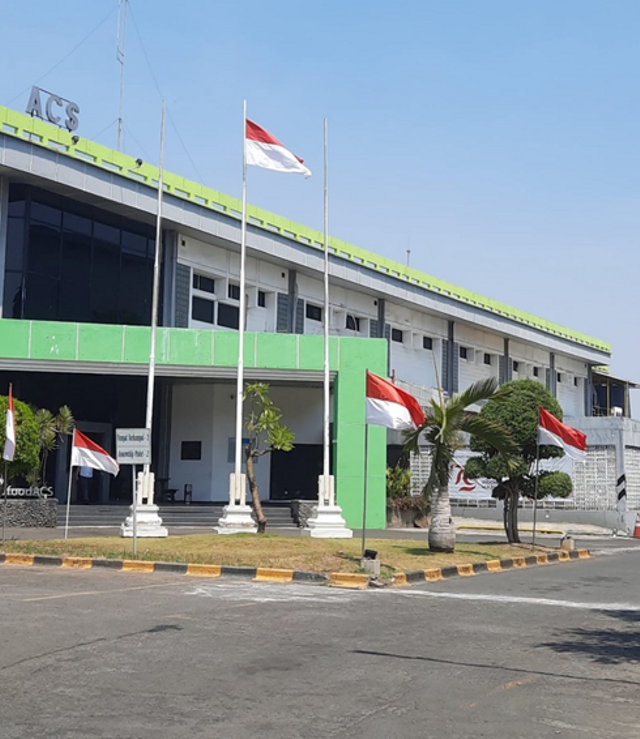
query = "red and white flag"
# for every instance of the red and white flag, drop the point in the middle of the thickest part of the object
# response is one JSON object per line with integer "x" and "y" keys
{"x": 552, "y": 431}
{"x": 264, "y": 150}
{"x": 10, "y": 431}
{"x": 87, "y": 453}
{"x": 390, "y": 406}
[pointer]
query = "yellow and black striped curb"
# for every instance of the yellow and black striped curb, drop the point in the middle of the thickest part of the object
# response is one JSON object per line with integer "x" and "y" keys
{"x": 493, "y": 565}
{"x": 268, "y": 574}
{"x": 259, "y": 574}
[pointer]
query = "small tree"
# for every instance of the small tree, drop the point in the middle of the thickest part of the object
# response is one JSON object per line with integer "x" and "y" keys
{"x": 445, "y": 423}
{"x": 266, "y": 434}
{"x": 50, "y": 428}
{"x": 515, "y": 474}
{"x": 27, "y": 447}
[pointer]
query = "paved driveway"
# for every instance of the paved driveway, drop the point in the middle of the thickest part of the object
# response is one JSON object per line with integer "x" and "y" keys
{"x": 538, "y": 653}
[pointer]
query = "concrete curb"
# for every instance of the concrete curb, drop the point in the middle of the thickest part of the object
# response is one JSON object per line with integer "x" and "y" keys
{"x": 493, "y": 565}
{"x": 351, "y": 580}
{"x": 257, "y": 574}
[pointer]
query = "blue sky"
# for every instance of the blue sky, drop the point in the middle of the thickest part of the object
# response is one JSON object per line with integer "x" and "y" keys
{"x": 496, "y": 139}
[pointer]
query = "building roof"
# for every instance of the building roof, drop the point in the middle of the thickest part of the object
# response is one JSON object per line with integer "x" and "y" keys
{"x": 52, "y": 138}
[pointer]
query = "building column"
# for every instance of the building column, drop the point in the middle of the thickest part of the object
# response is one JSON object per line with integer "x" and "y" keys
{"x": 4, "y": 220}
{"x": 450, "y": 361}
{"x": 552, "y": 384}
{"x": 507, "y": 367}
{"x": 588, "y": 393}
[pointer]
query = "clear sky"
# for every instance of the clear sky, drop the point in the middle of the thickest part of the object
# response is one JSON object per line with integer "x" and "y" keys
{"x": 497, "y": 139}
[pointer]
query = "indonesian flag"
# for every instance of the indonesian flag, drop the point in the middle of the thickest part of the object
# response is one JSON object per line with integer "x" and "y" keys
{"x": 552, "y": 431}
{"x": 10, "y": 431}
{"x": 87, "y": 453}
{"x": 390, "y": 406}
{"x": 264, "y": 150}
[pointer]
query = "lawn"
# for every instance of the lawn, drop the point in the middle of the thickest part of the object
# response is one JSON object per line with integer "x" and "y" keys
{"x": 270, "y": 550}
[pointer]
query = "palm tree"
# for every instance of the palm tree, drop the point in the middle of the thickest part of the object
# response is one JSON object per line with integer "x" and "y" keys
{"x": 444, "y": 425}
{"x": 50, "y": 428}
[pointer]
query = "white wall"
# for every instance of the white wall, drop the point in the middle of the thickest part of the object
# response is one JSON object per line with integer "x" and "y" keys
{"x": 206, "y": 413}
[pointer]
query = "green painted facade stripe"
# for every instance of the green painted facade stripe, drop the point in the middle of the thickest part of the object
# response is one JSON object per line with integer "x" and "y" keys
{"x": 350, "y": 357}
{"x": 50, "y": 137}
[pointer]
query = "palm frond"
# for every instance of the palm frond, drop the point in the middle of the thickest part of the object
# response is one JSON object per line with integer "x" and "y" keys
{"x": 481, "y": 390}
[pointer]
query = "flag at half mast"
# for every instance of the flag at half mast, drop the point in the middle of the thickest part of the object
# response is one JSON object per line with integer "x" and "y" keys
{"x": 390, "y": 406}
{"x": 553, "y": 432}
{"x": 86, "y": 453}
{"x": 264, "y": 150}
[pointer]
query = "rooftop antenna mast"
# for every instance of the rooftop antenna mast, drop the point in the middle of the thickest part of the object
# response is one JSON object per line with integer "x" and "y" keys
{"x": 120, "y": 44}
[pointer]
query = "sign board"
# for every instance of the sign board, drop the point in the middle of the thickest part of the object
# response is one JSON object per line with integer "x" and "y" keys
{"x": 53, "y": 108}
{"x": 133, "y": 446}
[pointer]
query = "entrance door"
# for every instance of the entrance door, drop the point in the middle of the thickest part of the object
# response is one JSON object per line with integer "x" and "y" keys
{"x": 294, "y": 474}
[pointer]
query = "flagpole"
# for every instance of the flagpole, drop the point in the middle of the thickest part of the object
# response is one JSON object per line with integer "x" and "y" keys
{"x": 4, "y": 503}
{"x": 364, "y": 501}
{"x": 68, "y": 506}
{"x": 326, "y": 489}
{"x": 535, "y": 494}
{"x": 156, "y": 289}
{"x": 237, "y": 490}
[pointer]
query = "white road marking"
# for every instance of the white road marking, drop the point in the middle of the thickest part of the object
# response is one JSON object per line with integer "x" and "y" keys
{"x": 272, "y": 593}
{"x": 522, "y": 600}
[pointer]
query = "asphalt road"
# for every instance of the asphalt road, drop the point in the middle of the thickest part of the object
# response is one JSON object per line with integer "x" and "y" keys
{"x": 546, "y": 652}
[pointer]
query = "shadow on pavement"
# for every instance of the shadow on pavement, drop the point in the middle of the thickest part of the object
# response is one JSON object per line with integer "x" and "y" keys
{"x": 603, "y": 646}
{"x": 486, "y": 666}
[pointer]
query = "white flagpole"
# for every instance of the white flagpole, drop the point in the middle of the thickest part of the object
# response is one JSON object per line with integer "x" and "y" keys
{"x": 237, "y": 491}
{"x": 66, "y": 521}
{"x": 156, "y": 289}
{"x": 327, "y": 400}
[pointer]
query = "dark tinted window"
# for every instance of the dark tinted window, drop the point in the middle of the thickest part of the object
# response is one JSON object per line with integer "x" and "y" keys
{"x": 94, "y": 265}
{"x": 206, "y": 284}
{"x": 427, "y": 342}
{"x": 41, "y": 296}
{"x": 202, "y": 310}
{"x": 15, "y": 244}
{"x": 44, "y": 250}
{"x": 314, "y": 312}
{"x": 353, "y": 323}
{"x": 191, "y": 450}
{"x": 12, "y": 302}
{"x": 234, "y": 292}
{"x": 228, "y": 316}
{"x": 262, "y": 299}
{"x": 396, "y": 335}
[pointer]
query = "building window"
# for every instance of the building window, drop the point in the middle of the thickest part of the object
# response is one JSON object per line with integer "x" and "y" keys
{"x": 234, "y": 291}
{"x": 575, "y": 382}
{"x": 487, "y": 358}
{"x": 353, "y": 322}
{"x": 191, "y": 451}
{"x": 463, "y": 352}
{"x": 205, "y": 284}
{"x": 314, "y": 312}
{"x": 516, "y": 366}
{"x": 70, "y": 261}
{"x": 536, "y": 371}
{"x": 397, "y": 335}
{"x": 202, "y": 310}
{"x": 262, "y": 299}
{"x": 558, "y": 377}
{"x": 228, "y": 316}
{"x": 427, "y": 343}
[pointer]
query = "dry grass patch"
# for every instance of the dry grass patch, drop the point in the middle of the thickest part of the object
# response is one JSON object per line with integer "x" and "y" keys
{"x": 270, "y": 550}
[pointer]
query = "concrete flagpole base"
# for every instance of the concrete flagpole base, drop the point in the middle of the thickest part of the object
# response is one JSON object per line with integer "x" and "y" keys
{"x": 148, "y": 523}
{"x": 326, "y": 522}
{"x": 236, "y": 517}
